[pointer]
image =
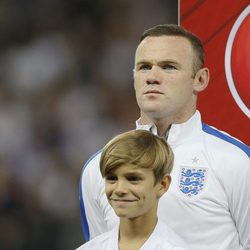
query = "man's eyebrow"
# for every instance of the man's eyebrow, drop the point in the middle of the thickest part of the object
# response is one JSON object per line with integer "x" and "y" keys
{"x": 143, "y": 62}
{"x": 168, "y": 62}
{"x": 158, "y": 63}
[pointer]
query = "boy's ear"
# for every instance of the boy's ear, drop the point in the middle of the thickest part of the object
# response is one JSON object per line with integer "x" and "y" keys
{"x": 164, "y": 185}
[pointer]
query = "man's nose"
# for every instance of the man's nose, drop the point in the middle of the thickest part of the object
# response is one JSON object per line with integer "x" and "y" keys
{"x": 153, "y": 76}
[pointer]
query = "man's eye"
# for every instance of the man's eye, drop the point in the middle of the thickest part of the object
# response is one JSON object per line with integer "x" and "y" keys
{"x": 145, "y": 67}
{"x": 169, "y": 67}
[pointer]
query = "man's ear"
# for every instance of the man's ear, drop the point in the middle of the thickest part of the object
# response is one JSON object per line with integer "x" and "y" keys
{"x": 164, "y": 185}
{"x": 201, "y": 79}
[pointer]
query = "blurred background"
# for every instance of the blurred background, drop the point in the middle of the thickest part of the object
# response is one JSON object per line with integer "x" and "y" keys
{"x": 66, "y": 87}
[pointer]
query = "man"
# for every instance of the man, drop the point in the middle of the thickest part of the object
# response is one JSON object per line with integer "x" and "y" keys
{"x": 208, "y": 202}
{"x": 136, "y": 167}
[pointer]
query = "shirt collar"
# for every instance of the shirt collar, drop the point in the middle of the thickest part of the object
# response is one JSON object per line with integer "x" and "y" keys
{"x": 177, "y": 132}
{"x": 149, "y": 127}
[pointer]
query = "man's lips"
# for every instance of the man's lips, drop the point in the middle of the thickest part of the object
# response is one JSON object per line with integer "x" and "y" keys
{"x": 152, "y": 92}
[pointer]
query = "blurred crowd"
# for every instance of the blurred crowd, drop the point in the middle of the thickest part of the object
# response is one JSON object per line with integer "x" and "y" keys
{"x": 66, "y": 87}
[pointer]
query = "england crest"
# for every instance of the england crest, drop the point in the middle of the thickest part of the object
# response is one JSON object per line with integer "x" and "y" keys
{"x": 192, "y": 180}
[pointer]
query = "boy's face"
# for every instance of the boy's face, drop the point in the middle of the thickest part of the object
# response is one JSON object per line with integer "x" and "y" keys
{"x": 132, "y": 191}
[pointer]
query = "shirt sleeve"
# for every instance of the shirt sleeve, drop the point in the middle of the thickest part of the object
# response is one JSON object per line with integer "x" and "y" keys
{"x": 96, "y": 213}
{"x": 240, "y": 200}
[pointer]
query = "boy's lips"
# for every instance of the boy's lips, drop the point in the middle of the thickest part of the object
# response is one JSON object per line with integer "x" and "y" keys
{"x": 122, "y": 201}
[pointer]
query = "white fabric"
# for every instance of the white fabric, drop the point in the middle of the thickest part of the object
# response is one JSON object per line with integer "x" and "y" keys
{"x": 162, "y": 238}
{"x": 218, "y": 217}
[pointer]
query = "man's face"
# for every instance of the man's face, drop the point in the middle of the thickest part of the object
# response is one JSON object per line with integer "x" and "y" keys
{"x": 132, "y": 191}
{"x": 163, "y": 77}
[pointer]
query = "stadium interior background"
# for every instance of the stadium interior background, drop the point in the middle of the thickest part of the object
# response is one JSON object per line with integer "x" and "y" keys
{"x": 66, "y": 87}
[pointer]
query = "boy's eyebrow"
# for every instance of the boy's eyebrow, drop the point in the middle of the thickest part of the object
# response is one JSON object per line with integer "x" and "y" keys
{"x": 138, "y": 170}
{"x": 134, "y": 173}
{"x": 135, "y": 170}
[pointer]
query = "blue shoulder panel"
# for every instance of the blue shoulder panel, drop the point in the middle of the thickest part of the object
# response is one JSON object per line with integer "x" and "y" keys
{"x": 210, "y": 130}
{"x": 85, "y": 226}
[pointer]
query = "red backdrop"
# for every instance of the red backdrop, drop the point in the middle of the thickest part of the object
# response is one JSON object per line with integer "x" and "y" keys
{"x": 219, "y": 24}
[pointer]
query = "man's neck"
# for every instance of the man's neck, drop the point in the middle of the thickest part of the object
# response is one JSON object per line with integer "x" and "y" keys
{"x": 163, "y": 125}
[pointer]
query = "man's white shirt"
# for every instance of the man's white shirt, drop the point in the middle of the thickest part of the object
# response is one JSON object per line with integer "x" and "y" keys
{"x": 208, "y": 202}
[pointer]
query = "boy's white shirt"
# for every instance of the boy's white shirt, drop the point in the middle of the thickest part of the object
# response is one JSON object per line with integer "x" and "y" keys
{"x": 162, "y": 238}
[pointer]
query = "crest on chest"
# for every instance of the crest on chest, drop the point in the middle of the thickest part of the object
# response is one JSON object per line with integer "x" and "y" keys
{"x": 192, "y": 180}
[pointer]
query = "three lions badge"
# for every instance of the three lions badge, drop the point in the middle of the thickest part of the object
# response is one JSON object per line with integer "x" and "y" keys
{"x": 192, "y": 180}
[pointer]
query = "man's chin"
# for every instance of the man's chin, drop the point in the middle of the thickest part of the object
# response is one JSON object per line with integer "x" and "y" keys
{"x": 153, "y": 114}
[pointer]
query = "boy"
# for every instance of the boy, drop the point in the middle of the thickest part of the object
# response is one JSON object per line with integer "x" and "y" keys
{"x": 136, "y": 166}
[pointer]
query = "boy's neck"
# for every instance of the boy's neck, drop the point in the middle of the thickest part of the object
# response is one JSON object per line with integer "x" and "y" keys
{"x": 134, "y": 232}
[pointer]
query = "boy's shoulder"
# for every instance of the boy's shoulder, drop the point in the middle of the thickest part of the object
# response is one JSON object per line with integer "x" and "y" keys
{"x": 165, "y": 234}
{"x": 102, "y": 241}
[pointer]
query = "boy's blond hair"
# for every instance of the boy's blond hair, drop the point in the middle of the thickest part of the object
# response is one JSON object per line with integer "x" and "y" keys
{"x": 140, "y": 148}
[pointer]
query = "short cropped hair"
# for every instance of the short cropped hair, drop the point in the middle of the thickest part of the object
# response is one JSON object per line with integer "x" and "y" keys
{"x": 140, "y": 148}
{"x": 176, "y": 30}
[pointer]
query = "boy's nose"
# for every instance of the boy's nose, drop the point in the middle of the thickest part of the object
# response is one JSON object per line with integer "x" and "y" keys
{"x": 120, "y": 188}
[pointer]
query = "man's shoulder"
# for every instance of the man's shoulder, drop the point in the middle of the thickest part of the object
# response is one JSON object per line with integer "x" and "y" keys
{"x": 92, "y": 163}
{"x": 94, "y": 158}
{"x": 91, "y": 171}
{"x": 219, "y": 140}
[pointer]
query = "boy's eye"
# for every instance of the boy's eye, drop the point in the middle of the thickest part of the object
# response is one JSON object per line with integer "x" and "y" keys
{"x": 110, "y": 178}
{"x": 134, "y": 178}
